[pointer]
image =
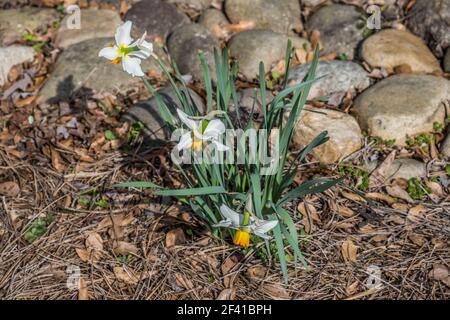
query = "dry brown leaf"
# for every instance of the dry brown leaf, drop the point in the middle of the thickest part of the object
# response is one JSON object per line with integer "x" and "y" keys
{"x": 227, "y": 294}
{"x": 83, "y": 293}
{"x": 86, "y": 256}
{"x": 94, "y": 249}
{"x": 349, "y": 251}
{"x": 315, "y": 40}
{"x": 308, "y": 210}
{"x": 435, "y": 188}
{"x": 9, "y": 189}
{"x": 183, "y": 281}
{"x": 119, "y": 220}
{"x": 353, "y": 196}
{"x": 415, "y": 214}
{"x": 439, "y": 272}
{"x": 352, "y": 288}
{"x": 328, "y": 57}
{"x": 256, "y": 272}
{"x": 378, "y": 196}
{"x": 125, "y": 248}
{"x": 380, "y": 174}
{"x": 345, "y": 212}
{"x": 417, "y": 239}
{"x": 123, "y": 8}
{"x": 175, "y": 237}
{"x": 239, "y": 27}
{"x": 57, "y": 161}
{"x": 226, "y": 267}
{"x": 400, "y": 206}
{"x": 397, "y": 192}
{"x": 25, "y": 102}
{"x": 276, "y": 291}
{"x": 301, "y": 55}
{"x": 94, "y": 242}
{"x": 127, "y": 275}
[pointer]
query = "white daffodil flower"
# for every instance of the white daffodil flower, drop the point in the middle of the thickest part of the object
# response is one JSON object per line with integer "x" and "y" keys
{"x": 127, "y": 52}
{"x": 244, "y": 224}
{"x": 202, "y": 131}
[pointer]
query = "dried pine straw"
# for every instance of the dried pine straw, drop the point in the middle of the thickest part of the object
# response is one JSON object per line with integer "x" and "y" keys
{"x": 405, "y": 248}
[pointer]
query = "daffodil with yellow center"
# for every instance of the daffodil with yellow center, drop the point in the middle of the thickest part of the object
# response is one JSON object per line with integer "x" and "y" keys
{"x": 245, "y": 224}
{"x": 127, "y": 52}
{"x": 242, "y": 236}
{"x": 202, "y": 131}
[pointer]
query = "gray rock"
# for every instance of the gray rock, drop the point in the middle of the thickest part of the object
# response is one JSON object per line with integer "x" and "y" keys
{"x": 447, "y": 61}
{"x": 80, "y": 67}
{"x": 11, "y": 56}
{"x": 281, "y": 16}
{"x": 194, "y": 4}
{"x": 250, "y": 103}
{"x": 16, "y": 22}
{"x": 338, "y": 77}
{"x": 94, "y": 24}
{"x": 343, "y": 130}
{"x": 406, "y": 169}
{"x": 214, "y": 20}
{"x": 402, "y": 105}
{"x": 159, "y": 18}
{"x": 252, "y": 46}
{"x": 445, "y": 146}
{"x": 148, "y": 113}
{"x": 430, "y": 20}
{"x": 391, "y": 48}
{"x": 341, "y": 28}
{"x": 184, "y": 45}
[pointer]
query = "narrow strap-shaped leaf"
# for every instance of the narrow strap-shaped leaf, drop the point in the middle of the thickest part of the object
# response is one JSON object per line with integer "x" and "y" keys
{"x": 262, "y": 84}
{"x": 191, "y": 191}
{"x": 163, "y": 109}
{"x": 138, "y": 184}
{"x": 308, "y": 188}
{"x": 256, "y": 194}
{"x": 280, "y": 248}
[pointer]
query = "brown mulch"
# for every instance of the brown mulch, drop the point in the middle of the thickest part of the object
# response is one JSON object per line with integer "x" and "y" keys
{"x": 346, "y": 239}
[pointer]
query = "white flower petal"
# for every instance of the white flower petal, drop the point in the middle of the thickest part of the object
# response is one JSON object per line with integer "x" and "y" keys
{"x": 109, "y": 53}
{"x": 185, "y": 141}
{"x": 123, "y": 36}
{"x": 262, "y": 235}
{"x": 264, "y": 226}
{"x": 132, "y": 66}
{"x": 223, "y": 224}
{"x": 146, "y": 46}
{"x": 139, "y": 54}
{"x": 214, "y": 128}
{"x": 249, "y": 206}
{"x": 191, "y": 124}
{"x": 220, "y": 146}
{"x": 231, "y": 215}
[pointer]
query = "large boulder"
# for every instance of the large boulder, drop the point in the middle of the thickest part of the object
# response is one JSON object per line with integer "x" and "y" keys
{"x": 157, "y": 17}
{"x": 184, "y": 46}
{"x": 335, "y": 77}
{"x": 343, "y": 130}
{"x": 80, "y": 67}
{"x": 94, "y": 24}
{"x": 281, "y": 16}
{"x": 341, "y": 28}
{"x": 430, "y": 20}
{"x": 253, "y": 46}
{"x": 402, "y": 105}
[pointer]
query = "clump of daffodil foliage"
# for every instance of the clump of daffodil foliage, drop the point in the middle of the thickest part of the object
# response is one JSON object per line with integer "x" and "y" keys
{"x": 240, "y": 200}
